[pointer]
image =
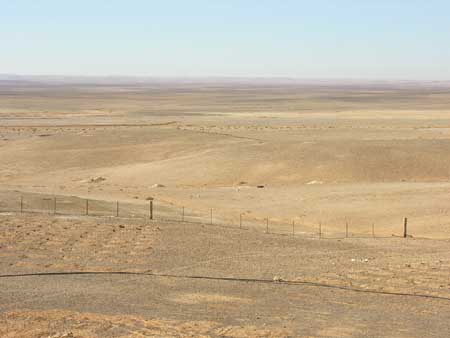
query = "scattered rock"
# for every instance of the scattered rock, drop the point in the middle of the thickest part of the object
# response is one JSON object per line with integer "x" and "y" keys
{"x": 277, "y": 279}
{"x": 314, "y": 182}
{"x": 97, "y": 179}
{"x": 260, "y": 186}
{"x": 62, "y": 335}
{"x": 362, "y": 260}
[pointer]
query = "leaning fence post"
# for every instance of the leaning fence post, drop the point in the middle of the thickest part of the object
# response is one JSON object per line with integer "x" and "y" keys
{"x": 21, "y": 204}
{"x": 405, "y": 228}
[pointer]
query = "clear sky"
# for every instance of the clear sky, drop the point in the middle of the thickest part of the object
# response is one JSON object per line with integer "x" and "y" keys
{"x": 376, "y": 39}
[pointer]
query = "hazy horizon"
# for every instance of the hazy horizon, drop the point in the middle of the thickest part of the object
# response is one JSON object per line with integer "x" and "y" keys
{"x": 18, "y": 76}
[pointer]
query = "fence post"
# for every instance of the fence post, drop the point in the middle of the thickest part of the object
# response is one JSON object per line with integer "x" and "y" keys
{"x": 21, "y": 204}
{"x": 240, "y": 221}
{"x": 117, "y": 209}
{"x": 320, "y": 230}
{"x": 54, "y": 205}
{"x": 211, "y": 217}
{"x": 405, "y": 228}
{"x": 373, "y": 230}
{"x": 87, "y": 207}
{"x": 182, "y": 215}
{"x": 151, "y": 209}
{"x": 346, "y": 229}
{"x": 293, "y": 228}
{"x": 267, "y": 225}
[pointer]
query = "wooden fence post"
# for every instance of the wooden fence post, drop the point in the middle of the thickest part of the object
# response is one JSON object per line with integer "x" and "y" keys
{"x": 346, "y": 229}
{"x": 21, "y": 204}
{"x": 87, "y": 207}
{"x": 405, "y": 228}
{"x": 267, "y": 225}
{"x": 182, "y": 215}
{"x": 211, "y": 217}
{"x": 151, "y": 209}
{"x": 320, "y": 230}
{"x": 240, "y": 221}
{"x": 293, "y": 228}
{"x": 117, "y": 209}
{"x": 373, "y": 230}
{"x": 54, "y": 205}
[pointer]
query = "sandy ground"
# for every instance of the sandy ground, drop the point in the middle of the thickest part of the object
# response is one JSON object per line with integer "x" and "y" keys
{"x": 325, "y": 156}
{"x": 361, "y": 155}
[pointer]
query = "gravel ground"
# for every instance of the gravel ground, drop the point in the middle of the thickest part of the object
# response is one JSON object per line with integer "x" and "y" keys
{"x": 299, "y": 287}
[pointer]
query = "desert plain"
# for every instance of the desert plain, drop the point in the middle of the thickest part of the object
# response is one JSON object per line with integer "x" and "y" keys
{"x": 278, "y": 208}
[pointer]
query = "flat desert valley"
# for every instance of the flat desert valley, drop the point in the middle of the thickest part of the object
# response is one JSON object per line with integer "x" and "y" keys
{"x": 278, "y": 208}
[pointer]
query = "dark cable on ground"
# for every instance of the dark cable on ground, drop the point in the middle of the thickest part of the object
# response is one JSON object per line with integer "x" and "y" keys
{"x": 230, "y": 279}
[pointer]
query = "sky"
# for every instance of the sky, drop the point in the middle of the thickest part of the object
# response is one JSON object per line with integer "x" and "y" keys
{"x": 315, "y": 39}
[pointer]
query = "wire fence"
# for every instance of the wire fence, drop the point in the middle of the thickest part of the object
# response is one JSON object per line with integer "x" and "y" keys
{"x": 159, "y": 210}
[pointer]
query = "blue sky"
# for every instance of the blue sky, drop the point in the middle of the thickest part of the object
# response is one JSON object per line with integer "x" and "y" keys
{"x": 359, "y": 39}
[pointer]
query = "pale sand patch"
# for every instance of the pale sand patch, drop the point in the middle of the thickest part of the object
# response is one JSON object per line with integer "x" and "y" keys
{"x": 340, "y": 332}
{"x": 196, "y": 298}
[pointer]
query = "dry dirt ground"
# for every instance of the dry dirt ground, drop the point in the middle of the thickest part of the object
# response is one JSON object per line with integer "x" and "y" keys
{"x": 199, "y": 280}
{"x": 362, "y": 154}
{"x": 359, "y": 154}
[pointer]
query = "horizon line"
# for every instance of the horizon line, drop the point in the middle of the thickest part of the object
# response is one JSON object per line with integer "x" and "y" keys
{"x": 218, "y": 78}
